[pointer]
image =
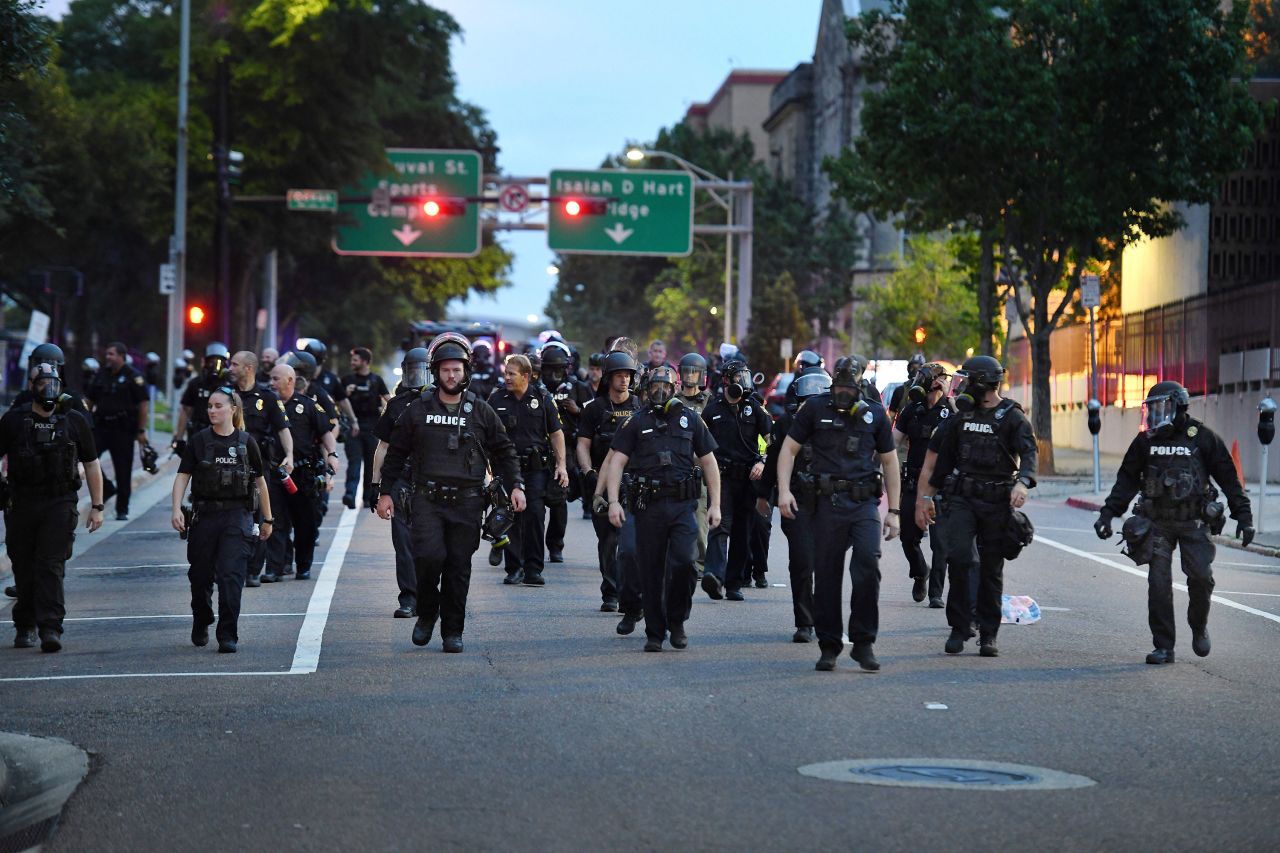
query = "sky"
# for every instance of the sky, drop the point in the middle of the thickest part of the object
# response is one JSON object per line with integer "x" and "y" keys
{"x": 567, "y": 82}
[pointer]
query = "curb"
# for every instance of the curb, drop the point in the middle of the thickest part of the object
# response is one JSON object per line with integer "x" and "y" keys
{"x": 39, "y": 774}
{"x": 1225, "y": 541}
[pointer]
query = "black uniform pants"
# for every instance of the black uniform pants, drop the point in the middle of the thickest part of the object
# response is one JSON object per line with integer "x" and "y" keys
{"x": 360, "y": 450}
{"x": 973, "y": 530}
{"x": 258, "y": 550}
{"x": 119, "y": 443}
{"x": 39, "y": 534}
{"x": 297, "y": 515}
{"x": 527, "y": 549}
{"x": 800, "y": 554}
{"x": 558, "y": 516}
{"x": 218, "y": 548}
{"x": 729, "y": 543}
{"x": 445, "y": 536}
{"x": 936, "y": 568}
{"x": 406, "y": 572}
{"x": 666, "y": 534}
{"x": 1197, "y": 552}
{"x": 616, "y": 551}
{"x": 840, "y": 524}
{"x": 761, "y": 530}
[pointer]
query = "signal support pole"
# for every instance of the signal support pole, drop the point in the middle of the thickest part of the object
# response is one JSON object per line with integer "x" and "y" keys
{"x": 178, "y": 242}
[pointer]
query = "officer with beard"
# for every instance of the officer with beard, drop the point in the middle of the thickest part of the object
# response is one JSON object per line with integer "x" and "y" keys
{"x": 854, "y": 462}
{"x": 570, "y": 396}
{"x": 601, "y": 420}
{"x": 1170, "y": 463}
{"x": 44, "y": 441}
{"x": 799, "y": 530}
{"x": 448, "y": 437}
{"x": 694, "y": 397}
{"x": 737, "y": 421}
{"x": 414, "y": 377}
{"x": 194, "y": 414}
{"x": 660, "y": 446}
{"x": 119, "y": 400}
{"x": 983, "y": 460}
{"x": 925, "y": 406}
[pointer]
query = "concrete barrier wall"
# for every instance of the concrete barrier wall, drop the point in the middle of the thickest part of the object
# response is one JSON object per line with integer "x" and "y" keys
{"x": 1232, "y": 416}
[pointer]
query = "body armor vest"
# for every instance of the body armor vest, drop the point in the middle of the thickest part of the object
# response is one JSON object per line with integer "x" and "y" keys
{"x": 980, "y": 453}
{"x": 609, "y": 425}
{"x": 222, "y": 479}
{"x": 445, "y": 448}
{"x": 695, "y": 403}
{"x": 45, "y": 463}
{"x": 664, "y": 447}
{"x": 842, "y": 434}
{"x": 1175, "y": 475}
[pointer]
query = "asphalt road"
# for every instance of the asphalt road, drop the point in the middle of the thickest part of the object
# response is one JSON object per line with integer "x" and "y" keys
{"x": 551, "y": 732}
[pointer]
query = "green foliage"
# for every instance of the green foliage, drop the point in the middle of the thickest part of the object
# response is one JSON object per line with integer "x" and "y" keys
{"x": 24, "y": 55}
{"x": 775, "y": 315}
{"x": 931, "y": 291}
{"x": 1263, "y": 37}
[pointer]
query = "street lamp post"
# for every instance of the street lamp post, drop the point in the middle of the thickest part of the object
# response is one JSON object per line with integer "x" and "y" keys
{"x": 709, "y": 182}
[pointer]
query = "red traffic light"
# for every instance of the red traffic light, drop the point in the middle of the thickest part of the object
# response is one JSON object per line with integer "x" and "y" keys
{"x": 920, "y": 335}
{"x": 435, "y": 207}
{"x": 574, "y": 207}
{"x": 195, "y": 315}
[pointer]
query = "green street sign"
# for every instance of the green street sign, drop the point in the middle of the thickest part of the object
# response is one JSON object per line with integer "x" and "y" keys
{"x": 324, "y": 201}
{"x": 646, "y": 212}
{"x": 386, "y": 215}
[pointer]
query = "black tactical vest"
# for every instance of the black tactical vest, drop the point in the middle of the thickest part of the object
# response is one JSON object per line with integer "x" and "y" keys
{"x": 445, "y": 448}
{"x": 843, "y": 445}
{"x": 664, "y": 446}
{"x": 610, "y": 424}
{"x": 1175, "y": 475}
{"x": 524, "y": 419}
{"x": 222, "y": 479}
{"x": 45, "y": 462}
{"x": 980, "y": 452}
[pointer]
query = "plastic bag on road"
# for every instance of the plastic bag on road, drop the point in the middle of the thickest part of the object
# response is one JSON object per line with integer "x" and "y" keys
{"x": 1018, "y": 610}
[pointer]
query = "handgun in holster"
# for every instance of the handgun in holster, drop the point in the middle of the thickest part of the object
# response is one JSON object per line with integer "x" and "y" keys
{"x": 188, "y": 520}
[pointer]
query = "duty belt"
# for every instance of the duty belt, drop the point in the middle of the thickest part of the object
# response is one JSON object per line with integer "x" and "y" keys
{"x": 222, "y": 506}
{"x": 535, "y": 459}
{"x": 858, "y": 490}
{"x": 987, "y": 490}
{"x": 641, "y": 491}
{"x": 736, "y": 470}
{"x": 910, "y": 476}
{"x": 1186, "y": 511}
{"x": 442, "y": 493}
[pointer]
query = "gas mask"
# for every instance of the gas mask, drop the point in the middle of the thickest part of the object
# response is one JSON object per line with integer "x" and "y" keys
{"x": 554, "y": 375}
{"x": 501, "y": 516}
{"x": 215, "y": 368}
{"x": 965, "y": 392}
{"x": 46, "y": 385}
{"x": 928, "y": 378}
{"x": 844, "y": 399}
{"x": 691, "y": 377}
{"x": 739, "y": 385}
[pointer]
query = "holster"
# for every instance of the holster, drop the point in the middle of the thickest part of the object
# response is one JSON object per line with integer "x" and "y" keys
{"x": 971, "y": 487}
{"x": 188, "y": 519}
{"x": 402, "y": 501}
{"x": 534, "y": 459}
{"x": 805, "y": 488}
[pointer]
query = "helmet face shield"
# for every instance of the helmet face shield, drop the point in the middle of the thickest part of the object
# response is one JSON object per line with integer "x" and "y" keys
{"x": 691, "y": 377}
{"x": 811, "y": 384}
{"x": 1158, "y": 414}
{"x": 415, "y": 374}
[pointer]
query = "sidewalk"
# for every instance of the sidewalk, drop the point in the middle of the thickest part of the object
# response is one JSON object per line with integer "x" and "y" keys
{"x": 1078, "y": 492}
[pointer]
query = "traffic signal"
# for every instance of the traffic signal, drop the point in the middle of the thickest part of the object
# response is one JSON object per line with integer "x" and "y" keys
{"x": 195, "y": 315}
{"x": 436, "y": 207}
{"x": 920, "y": 335}
{"x": 574, "y": 207}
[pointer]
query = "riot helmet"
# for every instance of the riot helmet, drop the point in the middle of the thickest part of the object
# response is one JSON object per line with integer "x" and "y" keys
{"x": 555, "y": 363}
{"x": 450, "y": 346}
{"x": 1165, "y": 406}
{"x": 978, "y": 375}
{"x": 90, "y": 367}
{"x": 736, "y": 378}
{"x": 693, "y": 370}
{"x": 45, "y": 384}
{"x": 846, "y": 382}
{"x": 47, "y": 354}
{"x": 806, "y": 359}
{"x": 662, "y": 383}
{"x": 806, "y": 385}
{"x": 316, "y": 348}
{"x": 596, "y": 360}
{"x": 216, "y": 359}
{"x": 414, "y": 369}
{"x": 303, "y": 363}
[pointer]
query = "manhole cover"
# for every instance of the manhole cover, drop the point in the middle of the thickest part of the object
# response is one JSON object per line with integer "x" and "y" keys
{"x": 953, "y": 773}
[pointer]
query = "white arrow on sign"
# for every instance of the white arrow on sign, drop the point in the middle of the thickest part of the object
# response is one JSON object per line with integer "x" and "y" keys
{"x": 618, "y": 233}
{"x": 406, "y": 235}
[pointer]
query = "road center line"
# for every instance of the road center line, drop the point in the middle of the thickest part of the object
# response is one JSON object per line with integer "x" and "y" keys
{"x": 1142, "y": 574}
{"x": 306, "y": 658}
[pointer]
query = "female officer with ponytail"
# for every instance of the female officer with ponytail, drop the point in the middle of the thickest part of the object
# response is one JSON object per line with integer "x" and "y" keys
{"x": 224, "y": 466}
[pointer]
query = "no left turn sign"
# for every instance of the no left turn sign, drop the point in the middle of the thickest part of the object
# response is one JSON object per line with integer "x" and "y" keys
{"x": 514, "y": 198}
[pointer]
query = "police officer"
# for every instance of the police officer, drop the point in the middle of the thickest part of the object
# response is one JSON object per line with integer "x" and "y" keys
{"x": 853, "y": 463}
{"x": 694, "y": 397}
{"x": 899, "y": 398}
{"x": 448, "y": 436}
{"x": 313, "y": 445}
{"x": 528, "y": 414}
{"x": 799, "y": 529}
{"x": 983, "y": 459}
{"x": 737, "y": 421}
{"x": 615, "y": 547}
{"x": 414, "y": 377}
{"x": 484, "y": 379}
{"x": 924, "y": 406}
{"x": 595, "y": 373}
{"x": 88, "y": 369}
{"x": 118, "y": 397}
{"x": 570, "y": 396}
{"x": 267, "y": 360}
{"x": 367, "y": 395}
{"x": 660, "y": 446}
{"x": 1170, "y": 463}
{"x": 266, "y": 424}
{"x": 52, "y": 354}
{"x": 225, "y": 468}
{"x": 45, "y": 439}
{"x": 193, "y": 415}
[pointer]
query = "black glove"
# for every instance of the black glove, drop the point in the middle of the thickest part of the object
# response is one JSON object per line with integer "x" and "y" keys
{"x": 1245, "y": 531}
{"x": 179, "y": 446}
{"x": 1102, "y": 526}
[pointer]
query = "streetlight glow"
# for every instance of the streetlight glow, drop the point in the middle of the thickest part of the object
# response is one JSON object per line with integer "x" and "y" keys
{"x": 552, "y": 269}
{"x": 635, "y": 155}
{"x": 532, "y": 318}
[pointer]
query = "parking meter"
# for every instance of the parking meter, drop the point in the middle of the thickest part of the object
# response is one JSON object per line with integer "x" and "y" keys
{"x": 1095, "y": 417}
{"x": 1266, "y": 421}
{"x": 1095, "y": 426}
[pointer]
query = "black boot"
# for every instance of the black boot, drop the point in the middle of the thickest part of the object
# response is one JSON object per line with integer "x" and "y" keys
{"x": 865, "y": 656}
{"x": 1200, "y": 642}
{"x": 1159, "y": 656}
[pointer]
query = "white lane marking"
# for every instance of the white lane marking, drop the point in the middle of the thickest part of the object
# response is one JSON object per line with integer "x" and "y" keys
{"x": 1235, "y": 592}
{"x": 934, "y": 706}
{"x": 93, "y": 676}
{"x": 306, "y": 658}
{"x": 1215, "y": 562}
{"x": 142, "y": 566}
{"x": 159, "y": 616}
{"x": 1059, "y": 609}
{"x": 1226, "y": 602}
{"x": 1064, "y": 529}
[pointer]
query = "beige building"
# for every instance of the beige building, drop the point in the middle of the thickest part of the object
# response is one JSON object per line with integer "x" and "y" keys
{"x": 740, "y": 104}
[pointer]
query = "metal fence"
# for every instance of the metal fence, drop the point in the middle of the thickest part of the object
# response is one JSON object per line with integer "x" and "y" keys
{"x": 1182, "y": 340}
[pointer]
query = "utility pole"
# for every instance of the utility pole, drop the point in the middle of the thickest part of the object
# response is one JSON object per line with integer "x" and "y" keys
{"x": 221, "y": 234}
{"x": 178, "y": 242}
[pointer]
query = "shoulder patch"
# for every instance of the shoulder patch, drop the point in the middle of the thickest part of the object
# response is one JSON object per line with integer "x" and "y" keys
{"x": 467, "y": 407}
{"x": 138, "y": 380}
{"x": 280, "y": 403}
{"x": 1192, "y": 431}
{"x": 868, "y": 417}
{"x": 684, "y": 422}
{"x": 944, "y": 412}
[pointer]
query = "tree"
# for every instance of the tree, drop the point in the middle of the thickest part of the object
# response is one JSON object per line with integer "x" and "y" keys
{"x": 929, "y": 291}
{"x": 775, "y": 315}
{"x": 24, "y": 58}
{"x": 1028, "y": 112}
